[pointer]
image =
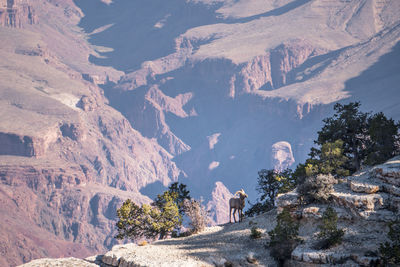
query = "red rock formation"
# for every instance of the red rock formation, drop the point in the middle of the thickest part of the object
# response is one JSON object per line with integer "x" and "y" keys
{"x": 271, "y": 71}
{"x": 17, "y": 14}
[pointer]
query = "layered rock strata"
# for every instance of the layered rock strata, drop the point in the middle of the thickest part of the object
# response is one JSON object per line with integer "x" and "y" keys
{"x": 364, "y": 207}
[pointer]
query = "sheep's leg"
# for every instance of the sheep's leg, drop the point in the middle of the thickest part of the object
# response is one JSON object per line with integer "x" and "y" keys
{"x": 230, "y": 211}
{"x": 240, "y": 215}
{"x": 234, "y": 214}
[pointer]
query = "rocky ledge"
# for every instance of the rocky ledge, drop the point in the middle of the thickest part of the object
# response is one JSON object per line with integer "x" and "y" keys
{"x": 224, "y": 245}
{"x": 365, "y": 203}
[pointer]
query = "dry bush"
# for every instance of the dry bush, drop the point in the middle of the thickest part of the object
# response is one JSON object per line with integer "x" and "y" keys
{"x": 255, "y": 233}
{"x": 197, "y": 214}
{"x": 316, "y": 188}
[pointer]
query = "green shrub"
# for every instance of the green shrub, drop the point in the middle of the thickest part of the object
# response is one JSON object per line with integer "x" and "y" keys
{"x": 150, "y": 221}
{"x": 179, "y": 193}
{"x": 316, "y": 188}
{"x": 390, "y": 251}
{"x": 255, "y": 233}
{"x": 329, "y": 233}
{"x": 284, "y": 237}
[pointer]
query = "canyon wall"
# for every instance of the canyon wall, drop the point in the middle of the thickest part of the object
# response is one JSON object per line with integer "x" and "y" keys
{"x": 188, "y": 91}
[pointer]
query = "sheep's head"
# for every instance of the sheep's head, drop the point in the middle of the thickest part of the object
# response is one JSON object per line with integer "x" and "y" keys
{"x": 241, "y": 193}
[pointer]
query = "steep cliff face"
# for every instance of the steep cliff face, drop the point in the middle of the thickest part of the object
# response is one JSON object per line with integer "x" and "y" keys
{"x": 17, "y": 14}
{"x": 54, "y": 209}
{"x": 68, "y": 160}
{"x": 272, "y": 71}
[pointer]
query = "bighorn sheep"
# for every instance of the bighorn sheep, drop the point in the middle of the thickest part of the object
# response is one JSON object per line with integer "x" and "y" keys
{"x": 237, "y": 204}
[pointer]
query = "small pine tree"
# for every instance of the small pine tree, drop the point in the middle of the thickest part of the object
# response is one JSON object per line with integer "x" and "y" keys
{"x": 150, "y": 221}
{"x": 284, "y": 237}
{"x": 182, "y": 194}
{"x": 333, "y": 160}
{"x": 329, "y": 233}
{"x": 383, "y": 135}
{"x": 178, "y": 192}
{"x": 390, "y": 251}
{"x": 270, "y": 184}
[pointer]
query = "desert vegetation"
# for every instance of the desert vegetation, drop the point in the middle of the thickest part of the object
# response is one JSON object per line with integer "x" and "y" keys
{"x": 329, "y": 234}
{"x": 270, "y": 183}
{"x": 284, "y": 237}
{"x": 390, "y": 250}
{"x": 347, "y": 142}
{"x": 163, "y": 217}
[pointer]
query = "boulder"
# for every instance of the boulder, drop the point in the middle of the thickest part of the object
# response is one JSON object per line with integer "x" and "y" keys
{"x": 114, "y": 256}
{"x": 312, "y": 212}
{"x": 358, "y": 202}
{"x": 287, "y": 200}
{"x": 360, "y": 187}
{"x": 63, "y": 262}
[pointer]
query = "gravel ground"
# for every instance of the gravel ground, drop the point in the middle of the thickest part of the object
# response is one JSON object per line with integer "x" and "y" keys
{"x": 213, "y": 247}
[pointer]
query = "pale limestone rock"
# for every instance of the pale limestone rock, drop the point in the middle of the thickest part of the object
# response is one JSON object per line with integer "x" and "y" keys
{"x": 311, "y": 212}
{"x": 378, "y": 215}
{"x": 290, "y": 199}
{"x": 315, "y": 212}
{"x": 363, "y": 187}
{"x": 389, "y": 172}
{"x": 114, "y": 256}
{"x": 357, "y": 201}
{"x": 63, "y": 262}
{"x": 306, "y": 254}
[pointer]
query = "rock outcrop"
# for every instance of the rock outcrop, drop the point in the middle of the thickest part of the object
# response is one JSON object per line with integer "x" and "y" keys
{"x": 364, "y": 208}
{"x": 17, "y": 13}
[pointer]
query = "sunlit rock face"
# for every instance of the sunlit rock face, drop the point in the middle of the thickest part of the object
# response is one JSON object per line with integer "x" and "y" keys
{"x": 219, "y": 204}
{"x": 282, "y": 156}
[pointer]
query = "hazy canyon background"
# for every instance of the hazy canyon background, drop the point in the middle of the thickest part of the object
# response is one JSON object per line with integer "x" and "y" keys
{"x": 107, "y": 100}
